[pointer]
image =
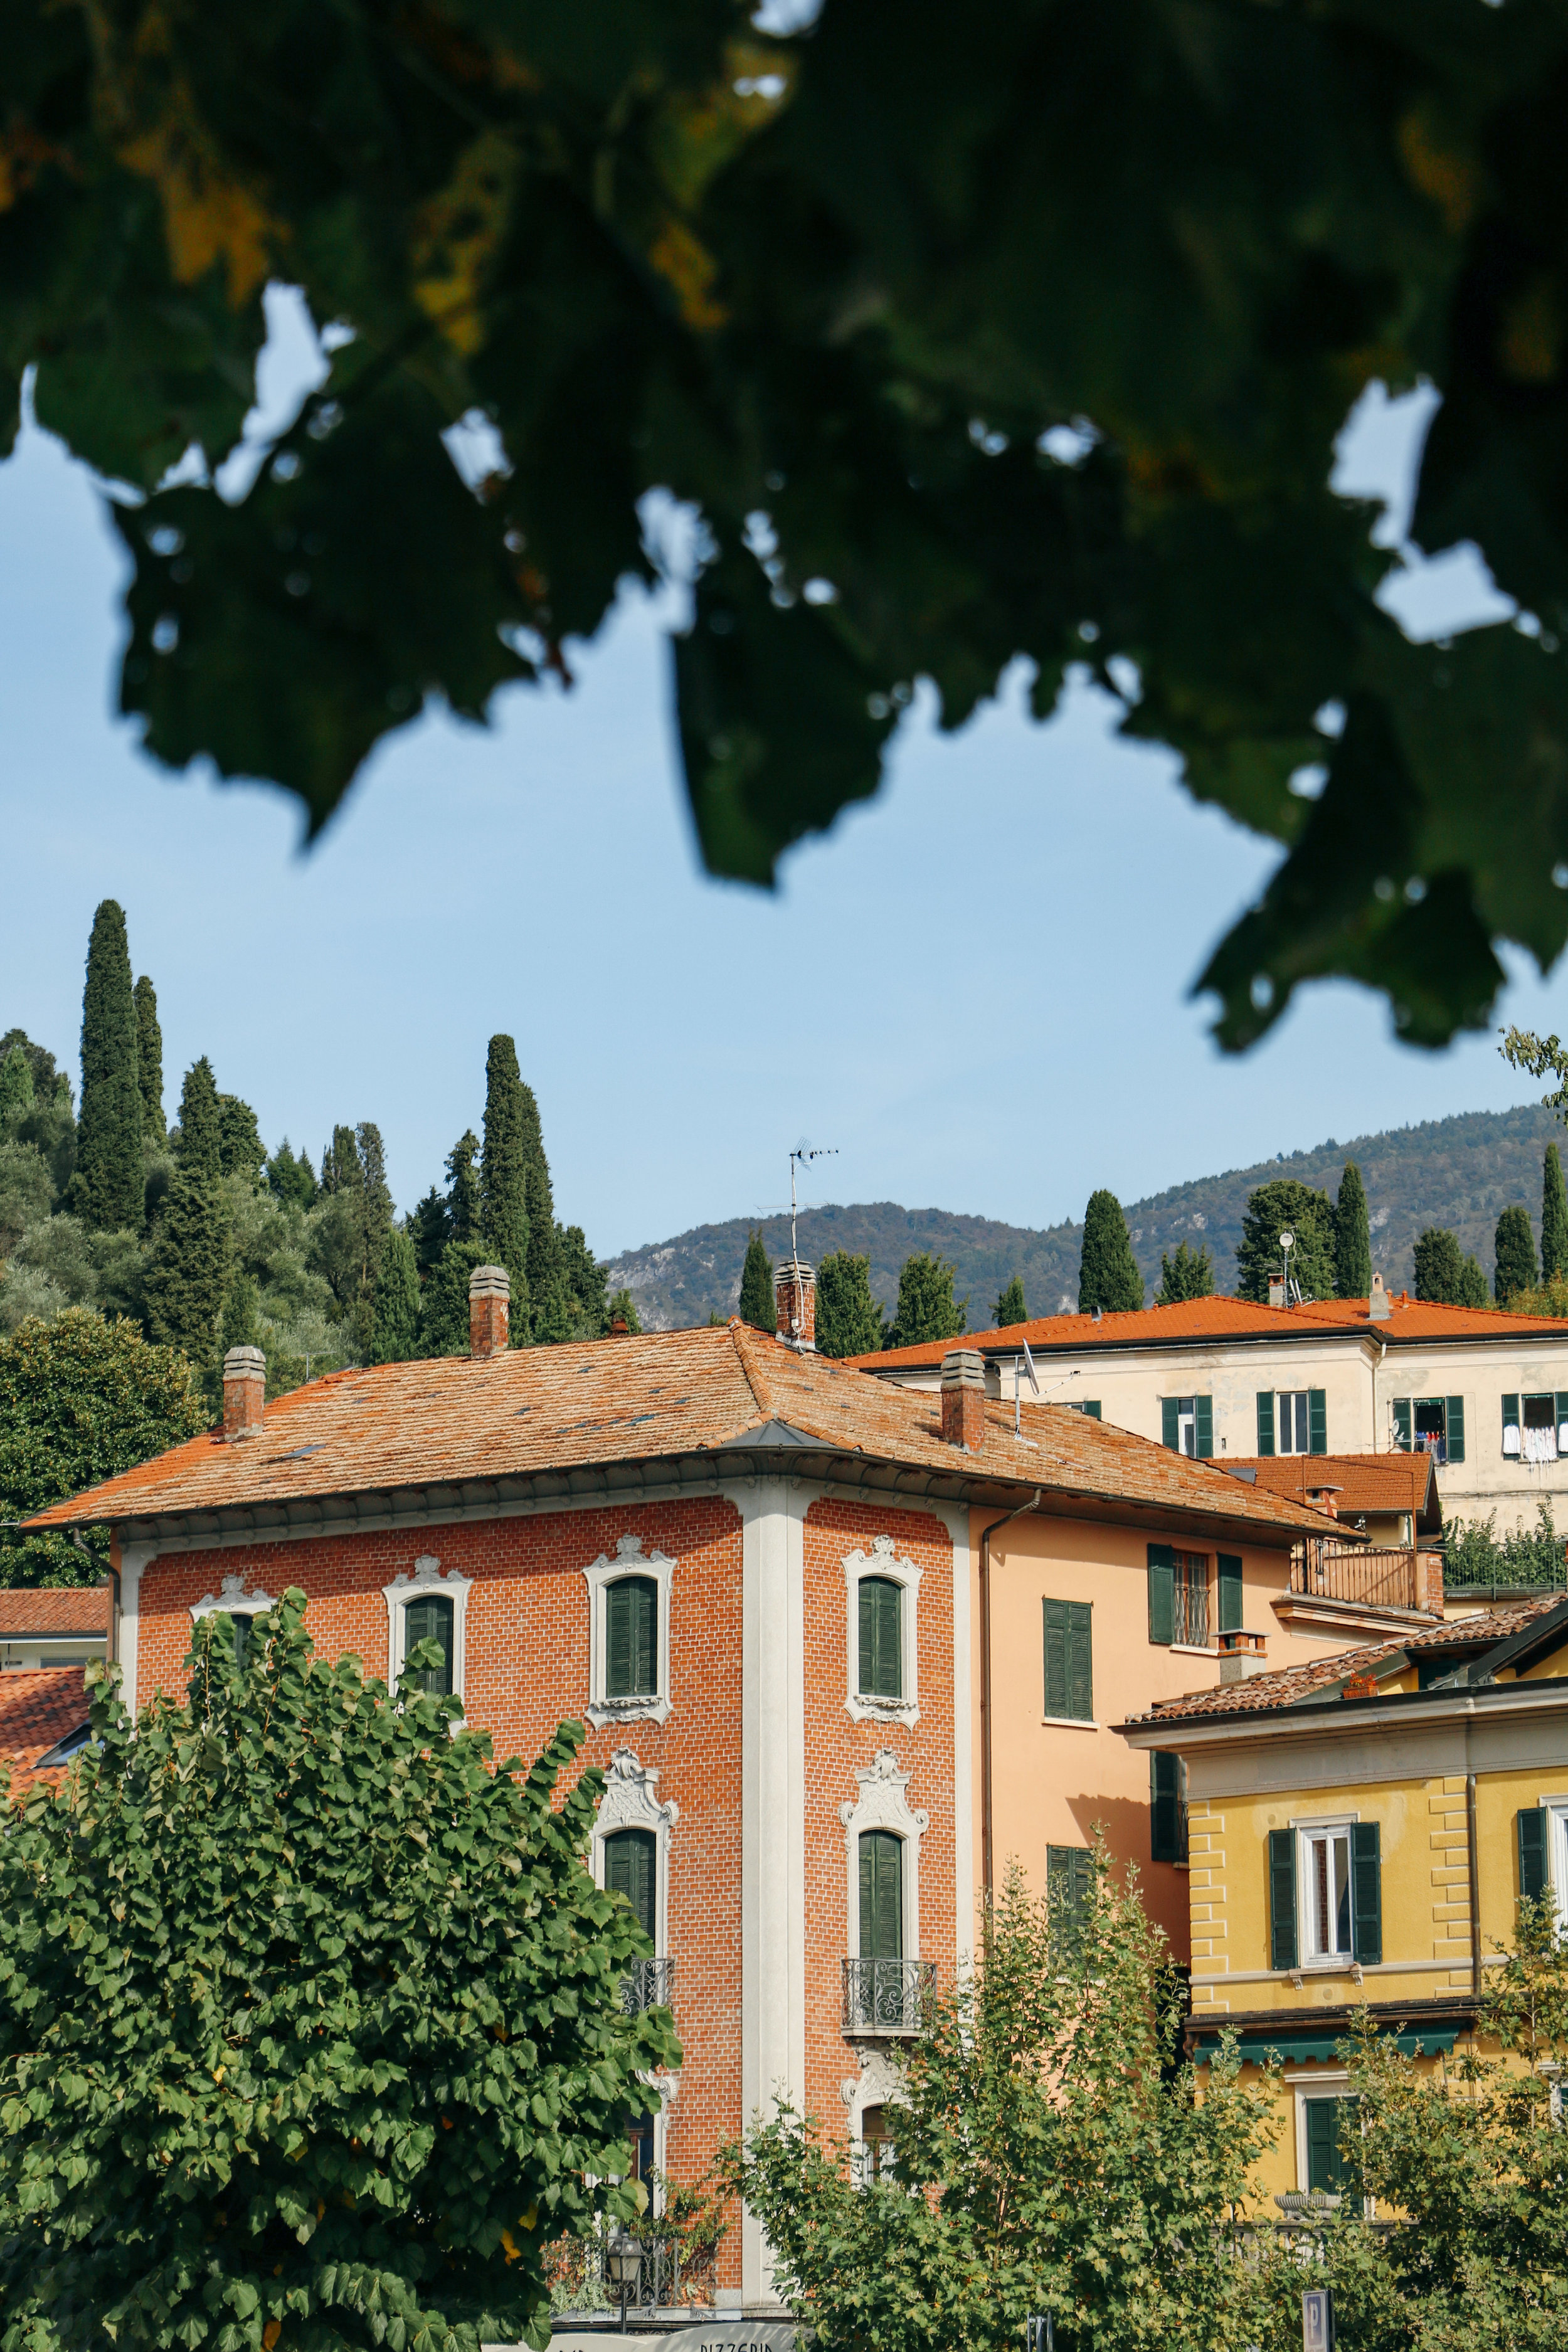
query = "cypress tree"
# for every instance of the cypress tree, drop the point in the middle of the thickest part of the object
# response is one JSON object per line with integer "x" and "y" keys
{"x": 240, "y": 1324}
{"x": 1439, "y": 1267}
{"x": 927, "y": 1308}
{"x": 1188, "y": 1275}
{"x": 444, "y": 1316}
{"x": 1472, "y": 1286}
{"x": 849, "y": 1319}
{"x": 341, "y": 1169}
{"x": 758, "y": 1306}
{"x": 1515, "y": 1249}
{"x": 1353, "y": 1237}
{"x": 1010, "y": 1307}
{"x": 394, "y": 1322}
{"x": 149, "y": 1060}
{"x": 373, "y": 1198}
{"x": 463, "y": 1197}
{"x": 1553, "y": 1218}
{"x": 544, "y": 1236}
{"x": 430, "y": 1229}
{"x": 624, "y": 1305}
{"x": 15, "y": 1088}
{"x": 291, "y": 1181}
{"x": 106, "y": 1192}
{"x": 1108, "y": 1275}
{"x": 188, "y": 1267}
{"x": 199, "y": 1145}
{"x": 580, "y": 1284}
{"x": 504, "y": 1167}
{"x": 240, "y": 1150}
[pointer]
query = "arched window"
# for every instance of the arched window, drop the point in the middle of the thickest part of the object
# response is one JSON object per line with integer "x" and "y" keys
{"x": 882, "y": 1895}
{"x": 429, "y": 1619}
{"x": 631, "y": 1638}
{"x": 631, "y": 1868}
{"x": 881, "y": 1638}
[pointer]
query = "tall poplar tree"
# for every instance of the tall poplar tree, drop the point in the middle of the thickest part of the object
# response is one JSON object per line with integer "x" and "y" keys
{"x": 1515, "y": 1247}
{"x": 107, "y": 1189}
{"x": 758, "y": 1306}
{"x": 1553, "y": 1218}
{"x": 1353, "y": 1237}
{"x": 149, "y": 1060}
{"x": 1108, "y": 1275}
{"x": 504, "y": 1167}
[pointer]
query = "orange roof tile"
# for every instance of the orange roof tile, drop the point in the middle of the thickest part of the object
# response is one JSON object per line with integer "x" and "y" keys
{"x": 37, "y": 1710}
{"x": 532, "y": 1422}
{"x": 1409, "y": 1320}
{"x": 1365, "y": 1482}
{"x": 50, "y": 1610}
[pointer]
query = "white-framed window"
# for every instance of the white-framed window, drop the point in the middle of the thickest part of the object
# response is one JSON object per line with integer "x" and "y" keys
{"x": 1293, "y": 1421}
{"x": 233, "y": 1601}
{"x": 1535, "y": 1428}
{"x": 1323, "y": 2104}
{"x": 430, "y": 1604}
{"x": 1190, "y": 1597}
{"x": 631, "y": 1843}
{"x": 883, "y": 1811}
{"x": 1323, "y": 1873}
{"x": 628, "y": 1634}
{"x": 881, "y": 1627}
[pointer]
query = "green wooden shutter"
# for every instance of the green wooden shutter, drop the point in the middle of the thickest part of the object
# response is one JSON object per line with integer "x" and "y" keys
{"x": 430, "y": 1620}
{"x": 1169, "y": 1430}
{"x": 1069, "y": 1878}
{"x": 1167, "y": 1815}
{"x": 882, "y": 1896}
{"x": 1562, "y": 1407}
{"x": 1055, "y": 1657}
{"x": 1080, "y": 1661}
{"x": 1366, "y": 1894}
{"x": 631, "y": 1638}
{"x": 1202, "y": 1414}
{"x": 881, "y": 1638}
{"x": 1091, "y": 1407}
{"x": 1402, "y": 1422}
{"x": 1282, "y": 1898}
{"x": 1454, "y": 1417}
{"x": 239, "y": 1625}
{"x": 631, "y": 1863}
{"x": 1317, "y": 1421}
{"x": 1324, "y": 2168}
{"x": 1511, "y": 1412}
{"x": 1162, "y": 1593}
{"x": 1230, "y": 1600}
{"x": 1529, "y": 1826}
{"x": 1266, "y": 1421}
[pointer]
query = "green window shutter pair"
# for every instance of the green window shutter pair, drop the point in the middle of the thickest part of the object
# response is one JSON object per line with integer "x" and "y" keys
{"x": 881, "y": 1638}
{"x": 1202, "y": 1414}
{"x": 1366, "y": 1894}
{"x": 1170, "y": 1424}
{"x": 1070, "y": 1664}
{"x": 1069, "y": 1878}
{"x": 1162, "y": 1593}
{"x": 1530, "y": 1824}
{"x": 1325, "y": 2164}
{"x": 1230, "y": 1601}
{"x": 1092, "y": 1406}
{"x": 631, "y": 1638}
{"x": 631, "y": 1865}
{"x": 1402, "y": 1422}
{"x": 1167, "y": 1807}
{"x": 1266, "y": 1421}
{"x": 1282, "y": 1939}
{"x": 1454, "y": 1417}
{"x": 430, "y": 1620}
{"x": 882, "y": 1895}
{"x": 1317, "y": 1421}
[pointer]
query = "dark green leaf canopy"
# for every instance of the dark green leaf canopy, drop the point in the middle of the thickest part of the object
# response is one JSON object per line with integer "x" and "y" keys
{"x": 1515, "y": 1268}
{"x": 1011, "y": 1307}
{"x": 1554, "y": 1217}
{"x": 1184, "y": 1273}
{"x": 1286, "y": 1206}
{"x": 927, "y": 1308}
{"x": 758, "y": 1306}
{"x": 1109, "y": 1281}
{"x": 849, "y": 1319}
{"x": 969, "y": 341}
{"x": 1353, "y": 1237}
{"x": 107, "y": 1189}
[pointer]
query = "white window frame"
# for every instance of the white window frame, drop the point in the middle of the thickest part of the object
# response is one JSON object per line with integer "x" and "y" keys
{"x": 231, "y": 1600}
{"x": 630, "y": 1560}
{"x": 882, "y": 1560}
{"x": 428, "y": 1579}
{"x": 1328, "y": 1826}
{"x": 880, "y": 2084}
{"x": 630, "y": 1801}
{"x": 1333, "y": 2086}
{"x": 1187, "y": 1427}
{"x": 883, "y": 1804}
{"x": 1305, "y": 1423}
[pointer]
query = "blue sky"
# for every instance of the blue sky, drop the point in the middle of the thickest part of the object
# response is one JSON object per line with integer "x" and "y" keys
{"x": 975, "y": 988}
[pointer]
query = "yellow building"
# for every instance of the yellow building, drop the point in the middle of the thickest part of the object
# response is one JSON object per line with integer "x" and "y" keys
{"x": 1360, "y": 1830}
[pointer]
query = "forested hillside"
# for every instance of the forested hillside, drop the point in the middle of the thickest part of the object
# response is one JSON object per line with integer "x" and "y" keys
{"x": 1456, "y": 1173}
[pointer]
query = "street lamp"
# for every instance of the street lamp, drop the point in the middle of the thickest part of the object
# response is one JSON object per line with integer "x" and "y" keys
{"x": 624, "y": 2259}
{"x": 1286, "y": 1244}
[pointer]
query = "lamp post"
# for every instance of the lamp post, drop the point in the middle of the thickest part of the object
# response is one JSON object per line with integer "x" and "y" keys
{"x": 623, "y": 2257}
{"x": 1286, "y": 1244}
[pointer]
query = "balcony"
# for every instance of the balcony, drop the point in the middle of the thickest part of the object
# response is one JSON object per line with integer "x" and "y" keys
{"x": 648, "y": 1984}
{"x": 1366, "y": 1576}
{"x": 887, "y": 2000}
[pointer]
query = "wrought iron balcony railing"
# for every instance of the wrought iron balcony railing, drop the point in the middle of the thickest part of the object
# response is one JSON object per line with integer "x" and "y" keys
{"x": 888, "y": 1996}
{"x": 648, "y": 1984}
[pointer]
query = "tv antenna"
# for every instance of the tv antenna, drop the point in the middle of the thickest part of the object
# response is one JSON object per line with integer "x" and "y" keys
{"x": 799, "y": 1156}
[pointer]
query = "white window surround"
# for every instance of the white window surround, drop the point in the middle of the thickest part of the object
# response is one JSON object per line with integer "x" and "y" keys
{"x": 1556, "y": 1812}
{"x": 630, "y": 1560}
{"x": 427, "y": 1580}
{"x": 882, "y": 1805}
{"x": 1328, "y": 1824}
{"x": 880, "y": 2084}
{"x": 233, "y": 1600}
{"x": 882, "y": 1560}
{"x": 630, "y": 1801}
{"x": 1331, "y": 2085}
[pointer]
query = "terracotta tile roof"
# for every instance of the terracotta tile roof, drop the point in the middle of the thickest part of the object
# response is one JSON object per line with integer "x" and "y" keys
{"x": 1366, "y": 1482}
{"x": 1319, "y": 1676}
{"x": 37, "y": 1710}
{"x": 543, "y": 1414}
{"x": 1409, "y": 1320}
{"x": 53, "y": 1610}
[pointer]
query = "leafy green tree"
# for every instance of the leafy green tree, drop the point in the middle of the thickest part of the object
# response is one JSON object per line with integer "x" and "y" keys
{"x": 1048, "y": 2154}
{"x": 759, "y": 1302}
{"x": 1108, "y": 1276}
{"x": 1353, "y": 1237}
{"x": 240, "y": 1150}
{"x": 849, "y": 1319}
{"x": 624, "y": 1305}
{"x": 504, "y": 1168}
{"x": 15, "y": 1088}
{"x": 927, "y": 1308}
{"x": 1474, "y": 1554}
{"x": 1439, "y": 1267}
{"x": 198, "y": 1142}
{"x": 394, "y": 1321}
{"x": 189, "y": 1261}
{"x": 149, "y": 1060}
{"x": 80, "y": 1400}
{"x": 239, "y": 1326}
{"x": 430, "y": 1228}
{"x": 1473, "y": 1291}
{"x": 341, "y": 1167}
{"x": 580, "y": 1284}
{"x": 291, "y": 1180}
{"x": 444, "y": 1305}
{"x": 463, "y": 1197}
{"x": 276, "y": 1888}
{"x": 105, "y": 1190}
{"x": 1010, "y": 1306}
{"x": 1286, "y": 1206}
{"x": 543, "y": 1234}
{"x": 1515, "y": 1254}
{"x": 1553, "y": 1218}
{"x": 1188, "y": 1274}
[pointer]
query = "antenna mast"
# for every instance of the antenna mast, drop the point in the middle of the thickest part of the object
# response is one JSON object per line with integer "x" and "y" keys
{"x": 801, "y": 1154}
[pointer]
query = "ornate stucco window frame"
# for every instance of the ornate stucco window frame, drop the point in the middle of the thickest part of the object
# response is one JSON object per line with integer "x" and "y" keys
{"x": 630, "y": 1560}
{"x": 630, "y": 1801}
{"x": 428, "y": 1579}
{"x": 232, "y": 1600}
{"x": 883, "y": 1804}
{"x": 883, "y": 1559}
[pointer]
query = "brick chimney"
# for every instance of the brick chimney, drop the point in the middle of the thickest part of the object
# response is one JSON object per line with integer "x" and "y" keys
{"x": 619, "y": 1327}
{"x": 1377, "y": 1304}
{"x": 1241, "y": 1656}
{"x": 489, "y": 1310}
{"x": 244, "y": 1392}
{"x": 794, "y": 1296}
{"x": 964, "y": 1399}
